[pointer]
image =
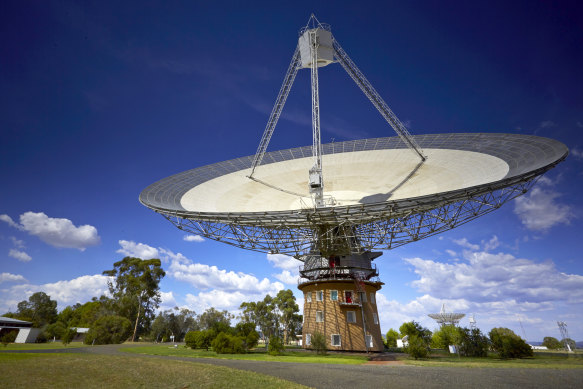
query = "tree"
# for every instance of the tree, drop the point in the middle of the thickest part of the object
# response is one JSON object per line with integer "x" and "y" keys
{"x": 571, "y": 343}
{"x": 417, "y": 347}
{"x": 319, "y": 343}
{"x": 68, "y": 336}
{"x": 220, "y": 321}
{"x": 287, "y": 310}
{"x": 39, "y": 309}
{"x": 413, "y": 328}
{"x": 509, "y": 345}
{"x": 275, "y": 347}
{"x": 8, "y": 337}
{"x": 552, "y": 343}
{"x": 109, "y": 330}
{"x": 391, "y": 338}
{"x": 173, "y": 322}
{"x": 472, "y": 343}
{"x": 135, "y": 290}
{"x": 246, "y": 331}
{"x": 262, "y": 314}
{"x": 445, "y": 336}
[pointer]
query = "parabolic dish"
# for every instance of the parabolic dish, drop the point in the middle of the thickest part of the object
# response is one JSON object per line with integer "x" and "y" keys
{"x": 362, "y": 177}
{"x": 382, "y": 196}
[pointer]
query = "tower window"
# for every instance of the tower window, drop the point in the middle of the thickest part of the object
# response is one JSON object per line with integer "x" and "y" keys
{"x": 362, "y": 297}
{"x": 319, "y": 316}
{"x": 351, "y": 317}
{"x": 309, "y": 297}
{"x": 348, "y": 296}
{"x": 308, "y": 339}
{"x": 375, "y": 318}
{"x": 334, "y": 295}
{"x": 369, "y": 341}
{"x": 320, "y": 295}
{"x": 336, "y": 340}
{"x": 372, "y": 298}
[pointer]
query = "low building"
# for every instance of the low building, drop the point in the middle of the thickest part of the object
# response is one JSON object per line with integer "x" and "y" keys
{"x": 26, "y": 334}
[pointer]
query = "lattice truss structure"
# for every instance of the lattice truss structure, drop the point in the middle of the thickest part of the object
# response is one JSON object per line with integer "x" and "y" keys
{"x": 384, "y": 233}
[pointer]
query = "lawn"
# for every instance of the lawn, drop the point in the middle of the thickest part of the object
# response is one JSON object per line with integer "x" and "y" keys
{"x": 259, "y": 355}
{"x": 24, "y": 370}
{"x": 543, "y": 360}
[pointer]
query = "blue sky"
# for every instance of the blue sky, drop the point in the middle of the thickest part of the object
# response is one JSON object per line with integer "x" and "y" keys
{"x": 99, "y": 100}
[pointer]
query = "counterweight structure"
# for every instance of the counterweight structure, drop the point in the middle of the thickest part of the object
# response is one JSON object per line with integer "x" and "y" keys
{"x": 332, "y": 205}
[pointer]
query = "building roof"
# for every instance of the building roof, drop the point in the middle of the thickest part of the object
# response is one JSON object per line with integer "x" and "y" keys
{"x": 12, "y": 321}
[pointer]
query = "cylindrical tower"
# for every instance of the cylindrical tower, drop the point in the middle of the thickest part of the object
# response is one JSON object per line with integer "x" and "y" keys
{"x": 340, "y": 302}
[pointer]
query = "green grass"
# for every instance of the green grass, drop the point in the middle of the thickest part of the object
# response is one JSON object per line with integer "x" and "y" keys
{"x": 24, "y": 370}
{"x": 260, "y": 355}
{"x": 539, "y": 361}
{"x": 40, "y": 346}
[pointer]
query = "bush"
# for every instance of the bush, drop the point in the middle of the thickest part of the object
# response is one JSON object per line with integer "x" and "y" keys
{"x": 445, "y": 336}
{"x": 55, "y": 330}
{"x": 552, "y": 343}
{"x": 228, "y": 344}
{"x": 109, "y": 330}
{"x": 509, "y": 345}
{"x": 68, "y": 336}
{"x": 191, "y": 339}
{"x": 8, "y": 337}
{"x": 275, "y": 346}
{"x": 392, "y": 337}
{"x": 473, "y": 343}
{"x": 247, "y": 332}
{"x": 319, "y": 343}
{"x": 417, "y": 347}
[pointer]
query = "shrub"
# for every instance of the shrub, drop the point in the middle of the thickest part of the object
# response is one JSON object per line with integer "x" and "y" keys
{"x": 68, "y": 335}
{"x": 319, "y": 343}
{"x": 392, "y": 337}
{"x": 109, "y": 330}
{"x": 247, "y": 332}
{"x": 275, "y": 346}
{"x": 55, "y": 330}
{"x": 551, "y": 343}
{"x": 8, "y": 337}
{"x": 417, "y": 347}
{"x": 191, "y": 339}
{"x": 473, "y": 343}
{"x": 227, "y": 344}
{"x": 509, "y": 345}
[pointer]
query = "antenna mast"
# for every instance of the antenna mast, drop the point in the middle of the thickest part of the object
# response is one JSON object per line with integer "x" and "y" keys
{"x": 317, "y": 48}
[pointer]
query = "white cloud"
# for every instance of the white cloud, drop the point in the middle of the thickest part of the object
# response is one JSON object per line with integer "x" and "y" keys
{"x": 539, "y": 210}
{"x": 20, "y": 255}
{"x": 55, "y": 231}
{"x": 17, "y": 242}
{"x": 288, "y": 277}
{"x": 8, "y": 219}
{"x": 282, "y": 261}
{"x": 193, "y": 238}
{"x": 167, "y": 301}
{"x": 496, "y": 278}
{"x": 137, "y": 250}
{"x": 491, "y": 244}
{"x": 577, "y": 153}
{"x": 547, "y": 124}
{"x": 207, "y": 277}
{"x": 290, "y": 274}
{"x": 9, "y": 277}
{"x": 466, "y": 244}
{"x": 67, "y": 292}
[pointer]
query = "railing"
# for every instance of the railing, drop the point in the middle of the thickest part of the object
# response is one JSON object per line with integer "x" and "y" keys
{"x": 341, "y": 273}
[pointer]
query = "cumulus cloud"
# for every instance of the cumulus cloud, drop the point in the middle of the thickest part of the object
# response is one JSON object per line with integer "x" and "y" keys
{"x": 20, "y": 255}
{"x": 491, "y": 244}
{"x": 193, "y": 238}
{"x": 464, "y": 243}
{"x": 137, "y": 250}
{"x": 9, "y": 277}
{"x": 539, "y": 210}
{"x": 66, "y": 292}
{"x": 289, "y": 265}
{"x": 494, "y": 278}
{"x": 57, "y": 232}
{"x": 17, "y": 242}
{"x": 7, "y": 219}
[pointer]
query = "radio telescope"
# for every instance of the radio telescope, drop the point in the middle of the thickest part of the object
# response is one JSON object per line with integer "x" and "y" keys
{"x": 331, "y": 205}
{"x": 444, "y": 318}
